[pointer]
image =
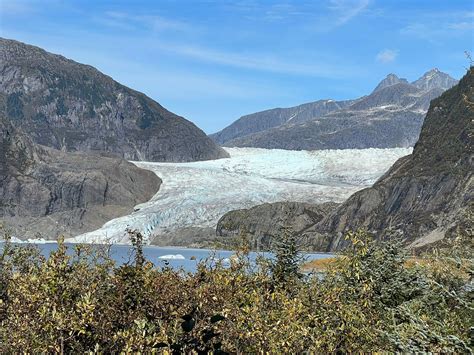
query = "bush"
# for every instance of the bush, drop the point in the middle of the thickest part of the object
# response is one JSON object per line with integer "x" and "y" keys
{"x": 369, "y": 299}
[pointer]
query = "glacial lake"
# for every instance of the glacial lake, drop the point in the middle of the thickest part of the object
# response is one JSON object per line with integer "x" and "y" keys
{"x": 175, "y": 257}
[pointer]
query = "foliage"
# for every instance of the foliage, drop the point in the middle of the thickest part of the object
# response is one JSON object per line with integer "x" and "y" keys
{"x": 286, "y": 267}
{"x": 370, "y": 299}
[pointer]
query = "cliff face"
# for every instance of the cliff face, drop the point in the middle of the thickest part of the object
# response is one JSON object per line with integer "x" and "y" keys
{"x": 265, "y": 222}
{"x": 45, "y": 192}
{"x": 70, "y": 106}
{"x": 424, "y": 196}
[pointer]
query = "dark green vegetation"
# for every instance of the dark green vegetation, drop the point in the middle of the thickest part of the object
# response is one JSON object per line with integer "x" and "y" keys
{"x": 368, "y": 300}
{"x": 70, "y": 106}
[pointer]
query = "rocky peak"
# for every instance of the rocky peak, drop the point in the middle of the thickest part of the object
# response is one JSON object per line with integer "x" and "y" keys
{"x": 70, "y": 106}
{"x": 435, "y": 78}
{"x": 390, "y": 79}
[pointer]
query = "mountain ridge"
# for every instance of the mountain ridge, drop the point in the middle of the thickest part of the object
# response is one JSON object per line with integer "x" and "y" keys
{"x": 74, "y": 107}
{"x": 394, "y": 105}
{"x": 267, "y": 119}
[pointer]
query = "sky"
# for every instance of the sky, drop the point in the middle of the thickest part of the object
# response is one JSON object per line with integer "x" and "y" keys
{"x": 214, "y": 61}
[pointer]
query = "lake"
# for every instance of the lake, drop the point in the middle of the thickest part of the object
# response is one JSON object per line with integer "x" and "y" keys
{"x": 185, "y": 258}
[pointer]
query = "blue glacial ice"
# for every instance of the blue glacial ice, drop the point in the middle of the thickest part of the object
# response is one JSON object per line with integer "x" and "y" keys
{"x": 197, "y": 194}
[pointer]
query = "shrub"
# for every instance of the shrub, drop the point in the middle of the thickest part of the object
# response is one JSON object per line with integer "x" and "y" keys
{"x": 370, "y": 299}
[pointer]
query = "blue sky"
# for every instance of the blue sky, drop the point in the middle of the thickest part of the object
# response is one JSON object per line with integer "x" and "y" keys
{"x": 213, "y": 61}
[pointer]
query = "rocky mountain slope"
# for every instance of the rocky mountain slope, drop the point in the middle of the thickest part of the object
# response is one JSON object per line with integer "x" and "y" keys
{"x": 261, "y": 121}
{"x": 435, "y": 79}
{"x": 391, "y": 116}
{"x": 70, "y": 106}
{"x": 45, "y": 192}
{"x": 390, "y": 80}
{"x": 263, "y": 223}
{"x": 423, "y": 198}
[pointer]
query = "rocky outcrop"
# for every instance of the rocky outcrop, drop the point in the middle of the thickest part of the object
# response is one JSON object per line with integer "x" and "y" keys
{"x": 45, "y": 192}
{"x": 424, "y": 198}
{"x": 73, "y": 107}
{"x": 265, "y": 222}
{"x": 391, "y": 116}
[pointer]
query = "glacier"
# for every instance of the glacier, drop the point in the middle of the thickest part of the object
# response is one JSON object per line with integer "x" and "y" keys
{"x": 197, "y": 194}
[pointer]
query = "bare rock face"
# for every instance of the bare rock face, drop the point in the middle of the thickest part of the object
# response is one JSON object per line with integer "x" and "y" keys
{"x": 390, "y": 80}
{"x": 45, "y": 192}
{"x": 73, "y": 107}
{"x": 265, "y": 222}
{"x": 435, "y": 79}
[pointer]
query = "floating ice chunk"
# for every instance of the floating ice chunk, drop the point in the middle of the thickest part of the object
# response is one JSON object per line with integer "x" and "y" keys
{"x": 172, "y": 257}
{"x": 28, "y": 241}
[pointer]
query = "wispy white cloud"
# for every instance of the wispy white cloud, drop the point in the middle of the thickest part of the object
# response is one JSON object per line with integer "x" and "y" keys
{"x": 275, "y": 12}
{"x": 462, "y": 26}
{"x": 154, "y": 22}
{"x": 347, "y": 9}
{"x": 434, "y": 26}
{"x": 386, "y": 55}
{"x": 9, "y": 7}
{"x": 259, "y": 61}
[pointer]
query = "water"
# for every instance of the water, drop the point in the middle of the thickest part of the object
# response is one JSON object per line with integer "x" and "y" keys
{"x": 177, "y": 258}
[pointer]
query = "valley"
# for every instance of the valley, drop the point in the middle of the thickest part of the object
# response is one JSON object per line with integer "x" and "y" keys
{"x": 197, "y": 194}
{"x": 236, "y": 177}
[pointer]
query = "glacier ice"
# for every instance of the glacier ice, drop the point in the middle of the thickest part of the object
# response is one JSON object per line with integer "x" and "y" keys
{"x": 197, "y": 194}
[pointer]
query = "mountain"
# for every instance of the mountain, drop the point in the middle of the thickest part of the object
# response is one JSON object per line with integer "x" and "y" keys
{"x": 434, "y": 79}
{"x": 261, "y": 121}
{"x": 390, "y": 80}
{"x": 428, "y": 194}
{"x": 391, "y": 116}
{"x": 423, "y": 198}
{"x": 73, "y": 107}
{"x": 46, "y": 192}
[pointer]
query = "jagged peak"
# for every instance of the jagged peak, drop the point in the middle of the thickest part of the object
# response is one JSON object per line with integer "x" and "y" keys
{"x": 390, "y": 79}
{"x": 434, "y": 78}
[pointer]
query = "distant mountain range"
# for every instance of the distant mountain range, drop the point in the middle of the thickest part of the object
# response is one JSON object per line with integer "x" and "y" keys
{"x": 391, "y": 116}
{"x": 73, "y": 107}
{"x": 424, "y": 199}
